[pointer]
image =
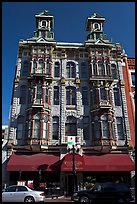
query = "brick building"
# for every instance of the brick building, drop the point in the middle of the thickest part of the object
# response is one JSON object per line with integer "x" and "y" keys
{"x": 67, "y": 92}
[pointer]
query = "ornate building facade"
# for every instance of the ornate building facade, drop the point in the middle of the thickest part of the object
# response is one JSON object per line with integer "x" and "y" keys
{"x": 66, "y": 91}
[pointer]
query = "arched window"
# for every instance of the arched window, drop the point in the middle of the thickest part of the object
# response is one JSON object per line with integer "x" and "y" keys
{"x": 36, "y": 131}
{"x": 105, "y": 127}
{"x": 56, "y": 69}
{"x": 40, "y": 66}
{"x": 114, "y": 71}
{"x": 96, "y": 25}
{"x": 71, "y": 70}
{"x": 25, "y": 68}
{"x": 56, "y": 95}
{"x": 44, "y": 23}
{"x": 23, "y": 94}
{"x": 55, "y": 132}
{"x": 20, "y": 127}
{"x": 83, "y": 70}
{"x": 71, "y": 126}
{"x": 70, "y": 95}
{"x": 45, "y": 127}
{"x": 34, "y": 66}
{"x": 94, "y": 68}
{"x": 107, "y": 69}
{"x": 101, "y": 70}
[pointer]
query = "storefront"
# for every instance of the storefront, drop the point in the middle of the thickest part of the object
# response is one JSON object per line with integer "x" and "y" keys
{"x": 46, "y": 169}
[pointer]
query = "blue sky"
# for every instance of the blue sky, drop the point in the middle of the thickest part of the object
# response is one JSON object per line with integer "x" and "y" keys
{"x": 18, "y": 22}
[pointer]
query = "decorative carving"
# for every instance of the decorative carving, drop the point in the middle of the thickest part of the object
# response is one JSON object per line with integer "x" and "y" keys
{"x": 77, "y": 81}
{"x": 63, "y": 80}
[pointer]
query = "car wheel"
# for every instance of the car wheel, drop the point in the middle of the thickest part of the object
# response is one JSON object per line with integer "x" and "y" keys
{"x": 84, "y": 199}
{"x": 29, "y": 199}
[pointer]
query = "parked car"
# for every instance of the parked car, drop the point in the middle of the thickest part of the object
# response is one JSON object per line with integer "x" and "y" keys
{"x": 104, "y": 192}
{"x": 17, "y": 193}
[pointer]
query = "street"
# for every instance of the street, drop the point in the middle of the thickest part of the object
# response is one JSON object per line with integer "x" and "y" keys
{"x": 61, "y": 199}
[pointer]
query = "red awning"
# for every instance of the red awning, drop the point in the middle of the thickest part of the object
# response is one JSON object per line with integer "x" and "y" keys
{"x": 67, "y": 162}
{"x": 109, "y": 162}
{"x": 34, "y": 162}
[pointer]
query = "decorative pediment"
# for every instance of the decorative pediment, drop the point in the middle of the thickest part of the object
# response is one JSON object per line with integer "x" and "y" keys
{"x": 41, "y": 40}
{"x": 100, "y": 42}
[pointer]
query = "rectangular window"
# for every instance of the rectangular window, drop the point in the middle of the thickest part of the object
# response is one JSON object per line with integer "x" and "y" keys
{"x": 56, "y": 69}
{"x": 94, "y": 96}
{"x": 46, "y": 95}
{"x": 39, "y": 94}
{"x": 56, "y": 95}
{"x": 55, "y": 132}
{"x": 86, "y": 128}
{"x": 119, "y": 127}
{"x": 103, "y": 95}
{"x": 85, "y": 96}
{"x": 20, "y": 131}
{"x": 133, "y": 78}
{"x": 117, "y": 97}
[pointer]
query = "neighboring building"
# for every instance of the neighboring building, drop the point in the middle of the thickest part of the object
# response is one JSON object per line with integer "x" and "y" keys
{"x": 129, "y": 79}
{"x": 67, "y": 92}
{"x": 5, "y": 132}
{"x": 4, "y": 154}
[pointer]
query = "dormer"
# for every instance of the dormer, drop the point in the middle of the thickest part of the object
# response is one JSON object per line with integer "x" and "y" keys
{"x": 45, "y": 25}
{"x": 94, "y": 27}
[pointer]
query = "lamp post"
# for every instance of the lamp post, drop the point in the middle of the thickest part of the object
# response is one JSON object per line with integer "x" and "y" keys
{"x": 73, "y": 169}
{"x": 20, "y": 175}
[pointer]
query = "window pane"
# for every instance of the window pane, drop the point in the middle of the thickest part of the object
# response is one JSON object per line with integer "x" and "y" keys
{"x": 133, "y": 78}
{"x": 119, "y": 127}
{"x": 37, "y": 128}
{"x": 95, "y": 96}
{"x": 25, "y": 69}
{"x": 71, "y": 96}
{"x": 84, "y": 95}
{"x": 97, "y": 130}
{"x": 105, "y": 129}
{"x": 23, "y": 94}
{"x": 39, "y": 93}
{"x": 70, "y": 70}
{"x": 83, "y": 70}
{"x": 70, "y": 127}
{"x": 103, "y": 95}
{"x": 56, "y": 95}
{"x": 114, "y": 71}
{"x": 55, "y": 135}
{"x": 46, "y": 95}
{"x": 56, "y": 69}
{"x": 117, "y": 97}
{"x": 94, "y": 69}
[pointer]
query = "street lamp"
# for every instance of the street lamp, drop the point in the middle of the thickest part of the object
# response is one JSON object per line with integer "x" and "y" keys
{"x": 20, "y": 175}
{"x": 73, "y": 168}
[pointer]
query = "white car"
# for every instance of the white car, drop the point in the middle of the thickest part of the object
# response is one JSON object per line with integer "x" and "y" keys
{"x": 16, "y": 193}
